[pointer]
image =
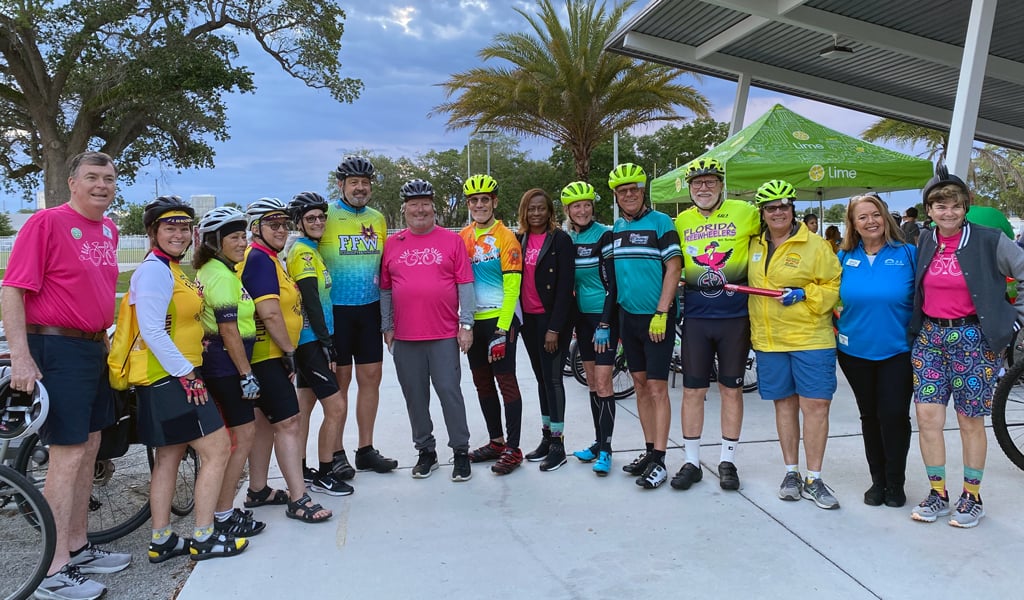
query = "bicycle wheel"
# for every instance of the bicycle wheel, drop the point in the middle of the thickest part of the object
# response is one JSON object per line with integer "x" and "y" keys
{"x": 750, "y": 374}
{"x": 567, "y": 366}
{"x": 28, "y": 532}
{"x": 622, "y": 380}
{"x": 577, "y": 365}
{"x": 1008, "y": 414}
{"x": 119, "y": 503}
{"x": 184, "y": 499}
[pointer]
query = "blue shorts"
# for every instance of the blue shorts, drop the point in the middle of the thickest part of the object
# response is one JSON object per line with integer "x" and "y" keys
{"x": 807, "y": 373}
{"x": 75, "y": 376}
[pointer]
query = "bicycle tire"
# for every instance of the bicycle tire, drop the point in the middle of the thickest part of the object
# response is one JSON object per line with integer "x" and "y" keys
{"x": 1008, "y": 414}
{"x": 567, "y": 366}
{"x": 26, "y": 549}
{"x": 119, "y": 503}
{"x": 578, "y": 372}
{"x": 184, "y": 500}
{"x": 622, "y": 380}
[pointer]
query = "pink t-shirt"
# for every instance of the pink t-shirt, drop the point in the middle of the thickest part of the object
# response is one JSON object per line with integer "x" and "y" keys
{"x": 423, "y": 273}
{"x": 68, "y": 266}
{"x": 528, "y": 293}
{"x": 945, "y": 290}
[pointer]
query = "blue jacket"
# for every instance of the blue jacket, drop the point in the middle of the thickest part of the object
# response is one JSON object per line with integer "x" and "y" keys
{"x": 877, "y": 301}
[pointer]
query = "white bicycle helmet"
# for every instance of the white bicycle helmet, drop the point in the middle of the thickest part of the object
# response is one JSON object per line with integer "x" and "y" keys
{"x": 21, "y": 414}
{"x": 263, "y": 207}
{"x": 218, "y": 217}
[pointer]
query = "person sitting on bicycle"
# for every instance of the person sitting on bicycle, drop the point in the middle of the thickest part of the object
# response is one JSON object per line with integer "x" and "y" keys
{"x": 962, "y": 325}
{"x": 597, "y": 323}
{"x": 229, "y": 335}
{"x": 174, "y": 408}
{"x": 714, "y": 235}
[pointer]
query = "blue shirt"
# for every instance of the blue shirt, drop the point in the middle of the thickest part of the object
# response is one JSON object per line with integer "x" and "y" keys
{"x": 877, "y": 300}
{"x": 640, "y": 249}
{"x": 591, "y": 245}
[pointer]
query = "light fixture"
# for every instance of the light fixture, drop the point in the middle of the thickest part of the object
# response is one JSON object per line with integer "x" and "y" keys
{"x": 835, "y": 50}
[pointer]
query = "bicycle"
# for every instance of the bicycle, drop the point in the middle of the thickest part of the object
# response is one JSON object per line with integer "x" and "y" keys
{"x": 622, "y": 380}
{"x": 1008, "y": 413}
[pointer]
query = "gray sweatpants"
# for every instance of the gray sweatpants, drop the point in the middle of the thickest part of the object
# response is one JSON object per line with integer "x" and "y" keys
{"x": 417, "y": 365}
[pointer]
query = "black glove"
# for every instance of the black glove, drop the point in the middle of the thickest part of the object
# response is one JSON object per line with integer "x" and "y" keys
{"x": 288, "y": 360}
{"x": 329, "y": 353}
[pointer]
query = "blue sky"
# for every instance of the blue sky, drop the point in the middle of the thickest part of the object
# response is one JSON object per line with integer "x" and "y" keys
{"x": 286, "y": 137}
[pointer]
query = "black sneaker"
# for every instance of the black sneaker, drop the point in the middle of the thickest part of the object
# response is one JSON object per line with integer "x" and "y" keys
{"x": 461, "y": 471}
{"x": 728, "y": 477}
{"x": 331, "y": 485}
{"x": 309, "y": 474}
{"x": 542, "y": 449}
{"x": 217, "y": 545}
{"x": 653, "y": 476}
{"x": 372, "y": 460}
{"x": 688, "y": 475}
{"x": 174, "y": 546}
{"x": 341, "y": 468}
{"x": 638, "y": 465}
{"x": 426, "y": 465}
{"x": 240, "y": 524}
{"x": 555, "y": 457}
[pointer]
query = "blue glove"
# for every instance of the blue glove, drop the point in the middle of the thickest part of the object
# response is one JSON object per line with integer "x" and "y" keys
{"x": 792, "y": 296}
{"x": 602, "y": 336}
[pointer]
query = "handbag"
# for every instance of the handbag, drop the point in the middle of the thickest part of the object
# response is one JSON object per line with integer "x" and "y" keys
{"x": 126, "y": 334}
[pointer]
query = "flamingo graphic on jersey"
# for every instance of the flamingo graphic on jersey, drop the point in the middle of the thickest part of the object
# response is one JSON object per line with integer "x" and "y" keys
{"x": 712, "y": 258}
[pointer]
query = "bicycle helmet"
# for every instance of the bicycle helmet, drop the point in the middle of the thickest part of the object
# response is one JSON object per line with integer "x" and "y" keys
{"x": 627, "y": 173}
{"x": 264, "y": 207}
{"x": 218, "y": 217}
{"x": 704, "y": 166}
{"x": 303, "y": 202}
{"x": 943, "y": 177}
{"x": 776, "y": 189}
{"x": 21, "y": 414}
{"x": 167, "y": 207}
{"x": 354, "y": 166}
{"x": 479, "y": 184}
{"x": 416, "y": 188}
{"x": 576, "y": 191}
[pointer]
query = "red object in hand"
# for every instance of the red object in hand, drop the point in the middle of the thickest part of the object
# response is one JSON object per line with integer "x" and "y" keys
{"x": 746, "y": 289}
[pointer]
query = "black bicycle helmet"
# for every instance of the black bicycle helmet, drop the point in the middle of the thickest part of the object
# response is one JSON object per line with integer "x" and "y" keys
{"x": 943, "y": 177}
{"x": 354, "y": 166}
{"x": 304, "y": 202}
{"x": 416, "y": 188}
{"x": 156, "y": 209}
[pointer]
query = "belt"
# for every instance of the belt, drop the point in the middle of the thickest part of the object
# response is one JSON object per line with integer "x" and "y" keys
{"x": 962, "y": 321}
{"x": 66, "y": 332}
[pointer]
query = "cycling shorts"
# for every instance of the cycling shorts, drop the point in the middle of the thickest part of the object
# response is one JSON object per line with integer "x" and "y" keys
{"x": 586, "y": 325}
{"x": 703, "y": 339}
{"x": 313, "y": 370}
{"x": 277, "y": 394}
{"x": 357, "y": 334}
{"x": 167, "y": 417}
{"x": 642, "y": 354}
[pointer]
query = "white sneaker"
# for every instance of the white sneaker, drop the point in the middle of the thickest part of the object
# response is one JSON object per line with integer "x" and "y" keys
{"x": 94, "y": 559}
{"x": 69, "y": 584}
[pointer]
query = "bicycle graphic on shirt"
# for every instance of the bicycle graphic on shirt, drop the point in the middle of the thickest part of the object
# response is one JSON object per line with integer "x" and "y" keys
{"x": 424, "y": 256}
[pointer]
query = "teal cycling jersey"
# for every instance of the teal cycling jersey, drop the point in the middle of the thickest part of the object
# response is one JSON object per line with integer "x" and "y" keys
{"x": 351, "y": 247}
{"x": 640, "y": 249}
{"x": 593, "y": 246}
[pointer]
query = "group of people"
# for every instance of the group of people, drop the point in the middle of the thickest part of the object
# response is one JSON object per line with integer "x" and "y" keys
{"x": 234, "y": 360}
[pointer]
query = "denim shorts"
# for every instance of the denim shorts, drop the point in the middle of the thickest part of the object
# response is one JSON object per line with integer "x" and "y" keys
{"x": 807, "y": 373}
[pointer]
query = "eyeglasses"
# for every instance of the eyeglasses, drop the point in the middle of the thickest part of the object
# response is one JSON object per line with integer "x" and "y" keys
{"x": 704, "y": 183}
{"x": 632, "y": 190}
{"x": 277, "y": 225}
{"x": 775, "y": 208}
{"x": 315, "y": 219}
{"x": 481, "y": 199}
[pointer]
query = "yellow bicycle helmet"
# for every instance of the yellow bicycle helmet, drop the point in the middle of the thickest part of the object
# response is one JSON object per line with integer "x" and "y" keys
{"x": 479, "y": 184}
{"x": 576, "y": 191}
{"x": 704, "y": 166}
{"x": 776, "y": 189}
{"x": 627, "y": 173}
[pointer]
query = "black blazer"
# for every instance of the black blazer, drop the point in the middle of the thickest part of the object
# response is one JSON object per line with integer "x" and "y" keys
{"x": 556, "y": 278}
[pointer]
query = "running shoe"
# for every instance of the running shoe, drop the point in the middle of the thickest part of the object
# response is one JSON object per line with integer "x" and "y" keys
{"x": 93, "y": 559}
{"x": 587, "y": 454}
{"x": 931, "y": 508}
{"x": 875, "y": 495}
{"x": 969, "y": 511}
{"x": 728, "y": 478}
{"x": 542, "y": 448}
{"x": 173, "y": 546}
{"x": 654, "y": 475}
{"x": 510, "y": 460}
{"x": 638, "y": 465}
{"x": 240, "y": 524}
{"x": 426, "y": 465}
{"x": 372, "y": 460}
{"x": 308, "y": 475}
{"x": 330, "y": 484}
{"x": 603, "y": 464}
{"x": 341, "y": 467}
{"x": 217, "y": 545}
{"x": 489, "y": 452}
{"x": 69, "y": 584}
{"x": 821, "y": 494}
{"x": 555, "y": 456}
{"x": 688, "y": 475}
{"x": 461, "y": 470}
{"x": 792, "y": 485}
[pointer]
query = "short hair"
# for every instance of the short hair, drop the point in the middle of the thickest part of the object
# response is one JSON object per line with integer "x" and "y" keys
{"x": 947, "y": 192}
{"x": 98, "y": 159}
{"x": 524, "y": 203}
{"x": 810, "y": 216}
{"x": 912, "y": 212}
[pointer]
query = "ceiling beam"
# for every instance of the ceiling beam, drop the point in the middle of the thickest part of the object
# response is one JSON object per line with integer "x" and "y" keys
{"x": 732, "y": 34}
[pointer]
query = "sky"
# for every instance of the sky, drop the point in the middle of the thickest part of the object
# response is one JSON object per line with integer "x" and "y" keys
{"x": 286, "y": 137}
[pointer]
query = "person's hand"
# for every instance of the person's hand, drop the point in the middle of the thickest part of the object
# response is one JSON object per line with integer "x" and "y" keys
{"x": 496, "y": 347}
{"x": 24, "y": 374}
{"x": 659, "y": 323}
{"x": 195, "y": 389}
{"x": 550, "y": 341}
{"x": 602, "y": 338}
{"x": 465, "y": 339}
{"x": 250, "y": 386}
{"x": 791, "y": 296}
{"x": 288, "y": 361}
{"x": 389, "y": 338}
{"x": 331, "y": 355}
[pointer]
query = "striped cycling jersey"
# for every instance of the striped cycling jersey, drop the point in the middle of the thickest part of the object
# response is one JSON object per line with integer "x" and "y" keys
{"x": 591, "y": 244}
{"x": 640, "y": 249}
{"x": 265, "y": 278}
{"x": 351, "y": 248}
{"x": 224, "y": 301}
{"x": 304, "y": 261}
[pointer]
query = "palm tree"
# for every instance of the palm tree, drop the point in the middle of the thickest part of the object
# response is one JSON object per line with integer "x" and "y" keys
{"x": 561, "y": 85}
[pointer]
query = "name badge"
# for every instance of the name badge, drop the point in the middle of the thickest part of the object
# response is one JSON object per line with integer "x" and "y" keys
{"x": 843, "y": 340}
{"x": 756, "y": 257}
{"x": 852, "y": 262}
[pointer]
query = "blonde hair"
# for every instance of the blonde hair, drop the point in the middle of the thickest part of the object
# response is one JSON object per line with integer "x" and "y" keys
{"x": 893, "y": 234}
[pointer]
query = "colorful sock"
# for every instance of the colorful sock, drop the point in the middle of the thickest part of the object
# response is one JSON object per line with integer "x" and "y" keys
{"x": 691, "y": 447}
{"x": 972, "y": 481}
{"x": 545, "y": 422}
{"x": 201, "y": 534}
{"x": 812, "y": 475}
{"x": 728, "y": 449}
{"x": 793, "y": 469}
{"x": 937, "y": 479}
{"x": 557, "y": 429}
{"x": 161, "y": 535}
{"x": 222, "y": 515}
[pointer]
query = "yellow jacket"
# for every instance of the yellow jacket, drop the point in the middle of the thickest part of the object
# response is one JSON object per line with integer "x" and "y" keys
{"x": 802, "y": 261}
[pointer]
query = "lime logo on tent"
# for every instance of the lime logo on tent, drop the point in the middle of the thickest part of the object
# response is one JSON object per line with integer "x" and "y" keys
{"x": 679, "y": 184}
{"x": 859, "y": 149}
{"x": 800, "y": 135}
{"x": 817, "y": 173}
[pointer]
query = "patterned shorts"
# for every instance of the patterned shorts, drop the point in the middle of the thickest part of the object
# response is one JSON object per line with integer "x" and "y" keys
{"x": 957, "y": 362}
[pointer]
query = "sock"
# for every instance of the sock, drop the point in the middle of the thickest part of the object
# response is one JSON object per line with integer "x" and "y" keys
{"x": 812, "y": 475}
{"x": 545, "y": 422}
{"x": 972, "y": 481}
{"x": 658, "y": 456}
{"x": 691, "y": 447}
{"x": 79, "y": 551}
{"x": 793, "y": 468}
{"x": 364, "y": 450}
{"x": 937, "y": 479}
{"x": 304, "y": 467}
{"x": 325, "y": 467}
{"x": 221, "y": 515}
{"x": 595, "y": 412}
{"x": 159, "y": 536}
{"x": 728, "y": 449}
{"x": 201, "y": 534}
{"x": 650, "y": 446}
{"x": 605, "y": 423}
{"x": 556, "y": 430}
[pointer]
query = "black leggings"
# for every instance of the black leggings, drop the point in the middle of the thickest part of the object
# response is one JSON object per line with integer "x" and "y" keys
{"x": 547, "y": 366}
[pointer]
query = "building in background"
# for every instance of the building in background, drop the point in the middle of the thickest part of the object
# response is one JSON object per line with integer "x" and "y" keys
{"x": 203, "y": 203}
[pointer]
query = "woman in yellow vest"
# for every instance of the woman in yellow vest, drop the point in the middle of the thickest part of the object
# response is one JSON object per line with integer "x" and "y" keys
{"x": 174, "y": 409}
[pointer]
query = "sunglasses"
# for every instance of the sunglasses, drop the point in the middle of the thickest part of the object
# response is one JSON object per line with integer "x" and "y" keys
{"x": 775, "y": 208}
{"x": 277, "y": 225}
{"x": 315, "y": 219}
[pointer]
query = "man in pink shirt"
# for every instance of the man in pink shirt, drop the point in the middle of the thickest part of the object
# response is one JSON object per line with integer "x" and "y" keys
{"x": 58, "y": 301}
{"x": 426, "y": 304}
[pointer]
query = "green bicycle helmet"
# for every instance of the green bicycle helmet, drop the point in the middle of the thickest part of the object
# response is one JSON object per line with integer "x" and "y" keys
{"x": 479, "y": 184}
{"x": 627, "y": 173}
{"x": 776, "y": 189}
{"x": 576, "y": 191}
{"x": 704, "y": 166}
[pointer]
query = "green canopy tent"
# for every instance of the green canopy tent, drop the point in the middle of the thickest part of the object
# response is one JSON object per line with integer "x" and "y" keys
{"x": 822, "y": 164}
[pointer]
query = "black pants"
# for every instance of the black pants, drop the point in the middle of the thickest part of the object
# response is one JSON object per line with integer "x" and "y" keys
{"x": 547, "y": 366}
{"x": 883, "y": 389}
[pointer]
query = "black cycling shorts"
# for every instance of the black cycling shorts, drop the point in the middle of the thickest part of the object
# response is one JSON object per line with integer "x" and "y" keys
{"x": 703, "y": 339}
{"x": 277, "y": 394}
{"x": 586, "y": 325}
{"x": 357, "y": 336}
{"x": 227, "y": 392}
{"x": 642, "y": 354}
{"x": 313, "y": 370}
{"x": 168, "y": 418}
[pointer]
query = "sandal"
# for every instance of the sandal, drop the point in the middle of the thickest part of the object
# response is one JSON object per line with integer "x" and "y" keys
{"x": 264, "y": 497}
{"x": 305, "y": 512}
{"x": 217, "y": 545}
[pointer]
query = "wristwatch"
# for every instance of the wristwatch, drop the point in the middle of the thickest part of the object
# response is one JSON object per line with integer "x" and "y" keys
{"x": 465, "y": 327}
